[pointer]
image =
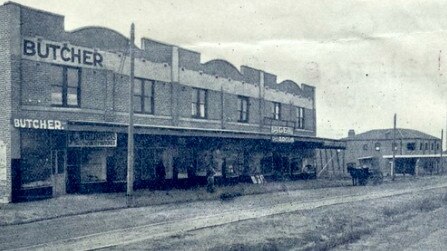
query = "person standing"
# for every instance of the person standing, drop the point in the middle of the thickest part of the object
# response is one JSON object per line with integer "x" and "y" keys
{"x": 210, "y": 172}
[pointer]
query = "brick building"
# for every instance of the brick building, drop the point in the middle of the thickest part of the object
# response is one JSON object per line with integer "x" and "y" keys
{"x": 64, "y": 117}
{"x": 416, "y": 152}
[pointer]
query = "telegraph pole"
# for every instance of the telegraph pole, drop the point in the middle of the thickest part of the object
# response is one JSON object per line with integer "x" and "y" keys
{"x": 130, "y": 140}
{"x": 393, "y": 169}
{"x": 441, "y": 162}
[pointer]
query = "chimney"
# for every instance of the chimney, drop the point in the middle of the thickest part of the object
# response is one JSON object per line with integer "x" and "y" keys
{"x": 351, "y": 133}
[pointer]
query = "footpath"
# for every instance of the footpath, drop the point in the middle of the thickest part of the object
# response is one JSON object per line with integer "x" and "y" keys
{"x": 76, "y": 204}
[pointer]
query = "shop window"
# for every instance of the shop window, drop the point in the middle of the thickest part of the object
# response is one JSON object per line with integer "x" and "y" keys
{"x": 276, "y": 110}
{"x": 365, "y": 147}
{"x": 198, "y": 103}
{"x": 243, "y": 108}
{"x": 147, "y": 160}
{"x": 300, "y": 117}
{"x": 144, "y": 96}
{"x": 93, "y": 166}
{"x": 377, "y": 146}
{"x": 411, "y": 146}
{"x": 65, "y": 88}
{"x": 36, "y": 163}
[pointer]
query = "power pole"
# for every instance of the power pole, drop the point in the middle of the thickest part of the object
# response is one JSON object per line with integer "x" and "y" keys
{"x": 441, "y": 162}
{"x": 393, "y": 169}
{"x": 130, "y": 133}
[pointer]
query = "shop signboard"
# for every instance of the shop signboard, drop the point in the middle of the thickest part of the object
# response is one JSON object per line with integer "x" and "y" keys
{"x": 280, "y": 134}
{"x": 61, "y": 53}
{"x": 282, "y": 139}
{"x": 283, "y": 130}
{"x": 92, "y": 139}
{"x": 45, "y": 124}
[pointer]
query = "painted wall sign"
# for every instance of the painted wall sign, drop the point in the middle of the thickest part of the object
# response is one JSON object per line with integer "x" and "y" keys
{"x": 61, "y": 53}
{"x": 283, "y": 139}
{"x": 46, "y": 124}
{"x": 92, "y": 139}
{"x": 282, "y": 130}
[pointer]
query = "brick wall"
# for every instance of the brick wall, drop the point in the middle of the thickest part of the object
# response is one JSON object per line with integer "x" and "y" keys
{"x": 9, "y": 18}
{"x": 363, "y": 148}
{"x": 42, "y": 24}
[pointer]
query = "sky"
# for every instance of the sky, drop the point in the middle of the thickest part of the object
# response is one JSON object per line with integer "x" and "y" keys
{"x": 368, "y": 59}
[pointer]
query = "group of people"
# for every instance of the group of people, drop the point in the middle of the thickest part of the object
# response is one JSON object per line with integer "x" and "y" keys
{"x": 211, "y": 165}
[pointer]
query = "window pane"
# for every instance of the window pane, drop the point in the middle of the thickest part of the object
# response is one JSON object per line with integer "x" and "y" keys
{"x": 244, "y": 105}
{"x": 137, "y": 87}
{"x": 56, "y": 95}
{"x": 244, "y": 116}
{"x": 72, "y": 96}
{"x": 202, "y": 110}
{"x": 72, "y": 77}
{"x": 239, "y": 104}
{"x": 147, "y": 105}
{"x": 193, "y": 109}
{"x": 137, "y": 104}
{"x": 148, "y": 85}
{"x": 202, "y": 95}
{"x": 276, "y": 111}
{"x": 194, "y": 97}
{"x": 55, "y": 74}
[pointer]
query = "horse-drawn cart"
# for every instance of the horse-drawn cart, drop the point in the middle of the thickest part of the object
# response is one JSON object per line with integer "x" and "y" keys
{"x": 362, "y": 175}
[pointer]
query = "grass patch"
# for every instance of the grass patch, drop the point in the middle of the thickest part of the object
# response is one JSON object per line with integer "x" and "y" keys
{"x": 344, "y": 238}
{"x": 444, "y": 199}
{"x": 420, "y": 205}
{"x": 427, "y": 205}
{"x": 391, "y": 211}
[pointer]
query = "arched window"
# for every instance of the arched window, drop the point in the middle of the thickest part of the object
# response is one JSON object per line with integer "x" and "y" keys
{"x": 365, "y": 147}
{"x": 377, "y": 146}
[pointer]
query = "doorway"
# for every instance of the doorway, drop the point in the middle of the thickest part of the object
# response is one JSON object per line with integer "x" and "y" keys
{"x": 73, "y": 171}
{"x": 58, "y": 160}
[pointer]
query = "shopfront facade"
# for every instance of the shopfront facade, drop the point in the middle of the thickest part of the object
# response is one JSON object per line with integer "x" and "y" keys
{"x": 65, "y": 96}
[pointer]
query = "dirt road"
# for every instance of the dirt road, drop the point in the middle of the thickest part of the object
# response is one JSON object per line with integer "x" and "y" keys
{"x": 164, "y": 226}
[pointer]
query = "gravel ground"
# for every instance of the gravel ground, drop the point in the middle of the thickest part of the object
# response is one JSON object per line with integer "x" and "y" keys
{"x": 413, "y": 221}
{"x": 307, "y": 219}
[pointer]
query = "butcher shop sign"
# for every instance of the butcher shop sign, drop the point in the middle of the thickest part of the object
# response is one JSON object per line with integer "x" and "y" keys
{"x": 61, "y": 53}
{"x": 46, "y": 124}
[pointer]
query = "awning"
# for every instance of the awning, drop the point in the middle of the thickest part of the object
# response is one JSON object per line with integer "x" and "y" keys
{"x": 367, "y": 157}
{"x": 414, "y": 156}
{"x": 323, "y": 143}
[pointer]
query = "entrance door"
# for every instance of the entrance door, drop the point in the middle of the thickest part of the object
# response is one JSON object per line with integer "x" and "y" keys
{"x": 73, "y": 170}
{"x": 59, "y": 172}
